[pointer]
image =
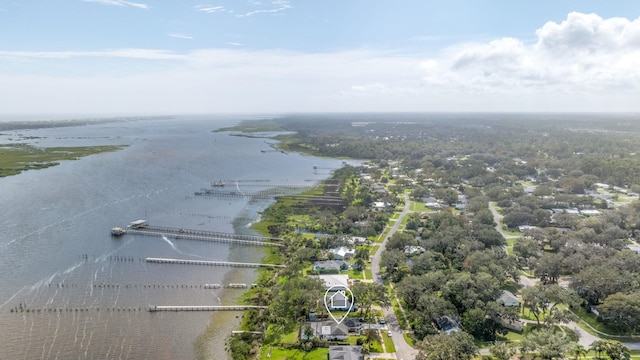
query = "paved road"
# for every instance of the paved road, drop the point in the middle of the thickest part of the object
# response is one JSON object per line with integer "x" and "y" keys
{"x": 524, "y": 281}
{"x": 403, "y": 350}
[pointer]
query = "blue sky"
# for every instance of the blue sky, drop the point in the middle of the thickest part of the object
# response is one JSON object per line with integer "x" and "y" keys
{"x": 155, "y": 57}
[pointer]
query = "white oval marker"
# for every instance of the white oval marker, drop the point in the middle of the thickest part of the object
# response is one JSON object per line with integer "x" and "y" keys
{"x": 338, "y": 298}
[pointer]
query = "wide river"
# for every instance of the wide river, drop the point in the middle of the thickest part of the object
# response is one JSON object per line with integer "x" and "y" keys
{"x": 69, "y": 290}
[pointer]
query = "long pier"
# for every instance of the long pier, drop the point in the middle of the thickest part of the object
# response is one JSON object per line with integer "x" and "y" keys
{"x": 154, "y": 308}
{"x": 202, "y": 237}
{"x": 206, "y": 233}
{"x": 210, "y": 263}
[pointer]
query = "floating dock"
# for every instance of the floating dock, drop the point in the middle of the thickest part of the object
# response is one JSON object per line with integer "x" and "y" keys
{"x": 210, "y": 263}
{"x": 154, "y": 308}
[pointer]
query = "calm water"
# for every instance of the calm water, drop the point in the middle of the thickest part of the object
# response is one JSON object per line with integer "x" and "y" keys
{"x": 69, "y": 290}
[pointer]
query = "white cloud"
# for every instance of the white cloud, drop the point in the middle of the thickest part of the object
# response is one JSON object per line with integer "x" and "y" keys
{"x": 276, "y": 7}
{"x": 181, "y": 36}
{"x": 584, "y": 54}
{"x": 120, "y": 3}
{"x": 584, "y": 63}
{"x": 149, "y": 54}
{"x": 210, "y": 9}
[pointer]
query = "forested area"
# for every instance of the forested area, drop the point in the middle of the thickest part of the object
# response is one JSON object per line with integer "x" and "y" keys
{"x": 565, "y": 187}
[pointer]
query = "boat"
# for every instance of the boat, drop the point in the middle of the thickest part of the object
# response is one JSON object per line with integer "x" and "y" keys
{"x": 217, "y": 184}
{"x": 118, "y": 231}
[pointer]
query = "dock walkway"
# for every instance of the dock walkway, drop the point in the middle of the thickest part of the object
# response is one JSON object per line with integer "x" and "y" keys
{"x": 210, "y": 263}
{"x": 154, "y": 308}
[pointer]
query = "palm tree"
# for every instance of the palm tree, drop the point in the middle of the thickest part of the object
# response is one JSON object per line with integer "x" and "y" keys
{"x": 598, "y": 347}
{"x": 578, "y": 352}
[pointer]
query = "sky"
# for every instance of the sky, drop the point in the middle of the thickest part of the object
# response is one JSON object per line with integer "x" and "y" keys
{"x": 147, "y": 57}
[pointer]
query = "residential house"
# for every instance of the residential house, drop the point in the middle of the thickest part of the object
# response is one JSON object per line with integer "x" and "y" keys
{"x": 357, "y": 240}
{"x": 507, "y": 298}
{"x": 345, "y": 353}
{"x": 448, "y": 324}
{"x": 432, "y": 203}
{"x": 338, "y": 300}
{"x": 342, "y": 253}
{"x": 413, "y": 250}
{"x": 330, "y": 266}
{"x": 353, "y": 325}
{"x": 325, "y": 330}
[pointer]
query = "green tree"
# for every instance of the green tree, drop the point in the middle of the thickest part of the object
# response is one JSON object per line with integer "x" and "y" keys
{"x": 622, "y": 311}
{"x": 367, "y": 294}
{"x": 544, "y": 301}
{"x": 548, "y": 344}
{"x": 457, "y": 346}
{"x": 578, "y": 352}
{"x": 308, "y": 331}
{"x": 502, "y": 351}
{"x": 616, "y": 350}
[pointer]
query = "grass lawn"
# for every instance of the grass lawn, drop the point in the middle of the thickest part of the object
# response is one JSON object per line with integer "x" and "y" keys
{"x": 592, "y": 320}
{"x": 409, "y": 339}
{"x": 418, "y": 206}
{"x": 396, "y": 309}
{"x": 282, "y": 354}
{"x": 388, "y": 343}
{"x": 368, "y": 274}
{"x": 526, "y": 314}
{"x": 356, "y": 274}
{"x": 375, "y": 347}
{"x": 291, "y": 337}
{"x": 509, "y": 232}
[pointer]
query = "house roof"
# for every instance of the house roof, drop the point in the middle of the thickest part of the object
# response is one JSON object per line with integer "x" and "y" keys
{"x": 331, "y": 280}
{"x": 345, "y": 353}
{"x": 338, "y": 299}
{"x": 328, "y": 265}
{"x": 507, "y": 297}
{"x": 337, "y": 330}
{"x": 448, "y": 324}
{"x": 343, "y": 251}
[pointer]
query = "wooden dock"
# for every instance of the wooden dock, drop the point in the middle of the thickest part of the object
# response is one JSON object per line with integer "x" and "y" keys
{"x": 190, "y": 236}
{"x": 155, "y": 308}
{"x": 210, "y": 263}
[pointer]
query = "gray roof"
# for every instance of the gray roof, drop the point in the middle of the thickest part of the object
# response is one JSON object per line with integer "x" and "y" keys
{"x": 345, "y": 353}
{"x": 507, "y": 297}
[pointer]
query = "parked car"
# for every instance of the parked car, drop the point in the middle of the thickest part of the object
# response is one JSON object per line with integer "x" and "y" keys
{"x": 382, "y": 321}
{"x": 389, "y": 333}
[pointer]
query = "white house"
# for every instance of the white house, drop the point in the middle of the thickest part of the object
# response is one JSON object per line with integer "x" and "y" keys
{"x": 342, "y": 252}
{"x": 507, "y": 298}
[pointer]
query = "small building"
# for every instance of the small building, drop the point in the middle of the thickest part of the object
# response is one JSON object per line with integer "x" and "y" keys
{"x": 413, "y": 250}
{"x": 342, "y": 252}
{"x": 325, "y": 330}
{"x": 345, "y": 353}
{"x": 330, "y": 266}
{"x": 507, "y": 299}
{"x": 448, "y": 324}
{"x": 357, "y": 240}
